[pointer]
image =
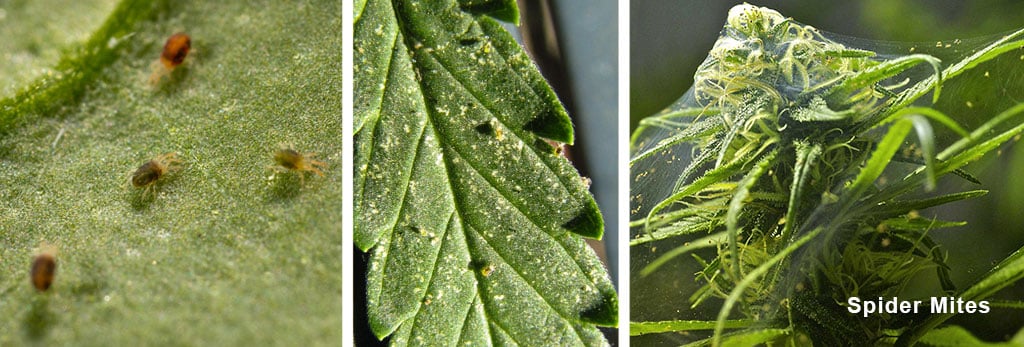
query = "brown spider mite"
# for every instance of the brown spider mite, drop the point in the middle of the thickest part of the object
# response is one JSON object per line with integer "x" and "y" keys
{"x": 44, "y": 268}
{"x": 292, "y": 160}
{"x": 175, "y": 50}
{"x": 147, "y": 174}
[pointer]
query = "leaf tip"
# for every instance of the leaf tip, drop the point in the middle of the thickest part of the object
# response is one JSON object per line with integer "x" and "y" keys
{"x": 365, "y": 239}
{"x": 504, "y": 10}
{"x": 588, "y": 223}
{"x": 604, "y": 312}
{"x": 552, "y": 125}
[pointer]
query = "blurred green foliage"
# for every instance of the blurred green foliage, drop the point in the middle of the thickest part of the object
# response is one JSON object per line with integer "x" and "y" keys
{"x": 35, "y": 33}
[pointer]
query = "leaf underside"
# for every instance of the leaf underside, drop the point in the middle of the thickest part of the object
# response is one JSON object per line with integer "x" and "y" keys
{"x": 472, "y": 217}
{"x": 224, "y": 250}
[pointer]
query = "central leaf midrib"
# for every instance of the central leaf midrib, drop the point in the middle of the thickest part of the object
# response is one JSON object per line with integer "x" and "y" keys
{"x": 433, "y": 272}
{"x": 469, "y": 314}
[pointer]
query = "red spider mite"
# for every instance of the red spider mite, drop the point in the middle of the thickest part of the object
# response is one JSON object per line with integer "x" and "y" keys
{"x": 44, "y": 268}
{"x": 175, "y": 50}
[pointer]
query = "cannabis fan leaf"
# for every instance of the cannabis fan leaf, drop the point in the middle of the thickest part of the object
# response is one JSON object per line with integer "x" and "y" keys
{"x": 471, "y": 216}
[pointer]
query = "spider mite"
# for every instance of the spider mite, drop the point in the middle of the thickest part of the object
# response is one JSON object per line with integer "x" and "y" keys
{"x": 147, "y": 174}
{"x": 487, "y": 270}
{"x": 44, "y": 267}
{"x": 175, "y": 50}
{"x": 292, "y": 160}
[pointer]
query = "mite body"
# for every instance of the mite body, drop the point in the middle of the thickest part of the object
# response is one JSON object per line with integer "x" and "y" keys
{"x": 147, "y": 174}
{"x": 487, "y": 270}
{"x": 44, "y": 268}
{"x": 292, "y": 160}
{"x": 175, "y": 50}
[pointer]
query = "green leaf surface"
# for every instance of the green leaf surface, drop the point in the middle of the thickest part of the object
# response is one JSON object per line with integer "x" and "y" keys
{"x": 641, "y": 328}
{"x": 225, "y": 250}
{"x": 682, "y": 227}
{"x": 995, "y": 49}
{"x": 1014, "y": 304}
{"x": 746, "y": 337}
{"x": 806, "y": 157}
{"x": 713, "y": 176}
{"x": 755, "y": 337}
{"x": 952, "y": 336}
{"x": 473, "y": 219}
{"x": 695, "y": 131}
{"x": 1007, "y": 272}
{"x": 880, "y": 158}
{"x": 712, "y": 240}
{"x": 882, "y": 71}
{"x": 736, "y": 204}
